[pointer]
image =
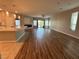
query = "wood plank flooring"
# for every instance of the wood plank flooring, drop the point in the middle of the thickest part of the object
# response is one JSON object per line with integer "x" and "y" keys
{"x": 47, "y": 44}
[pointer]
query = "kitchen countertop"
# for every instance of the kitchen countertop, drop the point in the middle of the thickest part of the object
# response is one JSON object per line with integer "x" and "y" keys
{"x": 7, "y": 29}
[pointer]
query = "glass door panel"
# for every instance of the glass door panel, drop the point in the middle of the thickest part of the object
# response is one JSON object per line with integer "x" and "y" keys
{"x": 40, "y": 23}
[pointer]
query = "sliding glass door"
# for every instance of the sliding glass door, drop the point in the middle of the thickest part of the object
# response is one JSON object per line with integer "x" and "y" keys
{"x": 40, "y": 23}
{"x": 46, "y": 23}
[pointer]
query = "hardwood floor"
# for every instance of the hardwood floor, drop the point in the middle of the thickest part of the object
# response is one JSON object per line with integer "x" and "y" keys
{"x": 47, "y": 44}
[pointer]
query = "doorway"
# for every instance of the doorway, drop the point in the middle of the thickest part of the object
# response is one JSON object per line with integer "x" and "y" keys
{"x": 41, "y": 24}
{"x": 38, "y": 23}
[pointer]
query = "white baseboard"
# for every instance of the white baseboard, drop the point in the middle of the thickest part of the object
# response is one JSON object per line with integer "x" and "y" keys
{"x": 66, "y": 34}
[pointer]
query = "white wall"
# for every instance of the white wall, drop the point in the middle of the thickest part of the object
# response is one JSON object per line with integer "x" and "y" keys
{"x": 61, "y": 23}
{"x": 27, "y": 20}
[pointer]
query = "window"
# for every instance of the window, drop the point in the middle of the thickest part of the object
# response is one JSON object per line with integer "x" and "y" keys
{"x": 35, "y": 22}
{"x": 17, "y": 23}
{"x": 74, "y": 19}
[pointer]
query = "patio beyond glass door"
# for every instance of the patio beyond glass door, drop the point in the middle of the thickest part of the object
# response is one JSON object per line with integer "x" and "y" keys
{"x": 40, "y": 23}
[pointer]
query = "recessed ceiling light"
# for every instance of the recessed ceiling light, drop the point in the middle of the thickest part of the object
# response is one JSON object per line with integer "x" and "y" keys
{"x": 7, "y": 12}
{"x": 16, "y": 11}
{"x": 19, "y": 17}
{"x": 0, "y": 9}
{"x": 14, "y": 15}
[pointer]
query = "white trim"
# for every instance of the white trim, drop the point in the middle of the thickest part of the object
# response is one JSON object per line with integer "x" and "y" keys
{"x": 66, "y": 34}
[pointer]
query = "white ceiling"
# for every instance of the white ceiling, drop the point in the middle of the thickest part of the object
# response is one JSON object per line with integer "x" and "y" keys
{"x": 38, "y": 7}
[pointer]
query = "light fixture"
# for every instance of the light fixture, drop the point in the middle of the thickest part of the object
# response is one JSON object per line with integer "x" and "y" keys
{"x": 14, "y": 15}
{"x": 43, "y": 16}
{"x": 19, "y": 17}
{"x": 60, "y": 8}
{"x": 16, "y": 11}
{"x": 0, "y": 9}
{"x": 7, "y": 12}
